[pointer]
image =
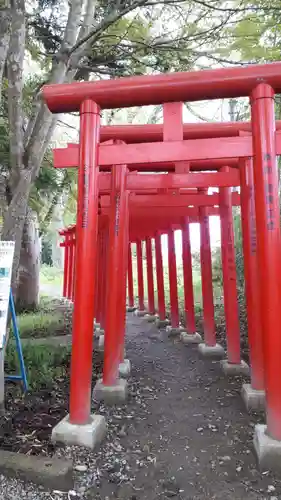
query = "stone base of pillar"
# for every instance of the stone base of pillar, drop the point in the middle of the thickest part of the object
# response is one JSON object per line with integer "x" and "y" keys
{"x": 253, "y": 399}
{"x": 232, "y": 369}
{"x": 174, "y": 331}
{"x": 130, "y": 309}
{"x": 140, "y": 313}
{"x": 100, "y": 346}
{"x": 111, "y": 394}
{"x": 161, "y": 323}
{"x": 151, "y": 318}
{"x": 268, "y": 450}
{"x": 89, "y": 435}
{"x": 125, "y": 369}
{"x": 211, "y": 351}
{"x": 99, "y": 332}
{"x": 190, "y": 338}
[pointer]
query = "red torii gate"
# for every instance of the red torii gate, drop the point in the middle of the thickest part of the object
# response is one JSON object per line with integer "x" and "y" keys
{"x": 259, "y": 82}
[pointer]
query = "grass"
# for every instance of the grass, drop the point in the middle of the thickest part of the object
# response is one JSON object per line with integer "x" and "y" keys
{"x": 40, "y": 324}
{"x": 43, "y": 364}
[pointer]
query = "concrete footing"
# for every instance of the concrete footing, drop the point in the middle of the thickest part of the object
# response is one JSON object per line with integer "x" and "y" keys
{"x": 130, "y": 309}
{"x": 101, "y": 343}
{"x": 232, "y": 369}
{"x": 151, "y": 318}
{"x": 174, "y": 331}
{"x": 52, "y": 473}
{"x": 211, "y": 351}
{"x": 161, "y": 323}
{"x": 140, "y": 313}
{"x": 89, "y": 435}
{"x": 125, "y": 368}
{"x": 111, "y": 394}
{"x": 190, "y": 338}
{"x": 253, "y": 399}
{"x": 268, "y": 450}
{"x": 98, "y": 333}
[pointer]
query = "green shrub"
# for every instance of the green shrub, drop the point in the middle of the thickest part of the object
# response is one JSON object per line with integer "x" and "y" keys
{"x": 40, "y": 324}
{"x": 44, "y": 364}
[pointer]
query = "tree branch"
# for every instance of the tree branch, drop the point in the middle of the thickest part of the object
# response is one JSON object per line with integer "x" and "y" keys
{"x": 105, "y": 23}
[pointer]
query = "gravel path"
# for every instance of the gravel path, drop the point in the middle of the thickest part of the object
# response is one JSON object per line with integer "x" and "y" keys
{"x": 184, "y": 434}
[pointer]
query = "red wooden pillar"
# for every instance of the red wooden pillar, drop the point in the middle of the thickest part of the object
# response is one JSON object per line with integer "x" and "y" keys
{"x": 149, "y": 270}
{"x": 140, "y": 275}
{"x": 229, "y": 276}
{"x": 160, "y": 278}
{"x": 130, "y": 278}
{"x": 99, "y": 272}
{"x": 268, "y": 247}
{"x": 71, "y": 262}
{"x": 187, "y": 278}
{"x": 87, "y": 227}
{"x": 206, "y": 279}
{"x": 173, "y": 280}
{"x": 116, "y": 275}
{"x": 252, "y": 285}
{"x": 66, "y": 264}
{"x": 123, "y": 273}
{"x": 105, "y": 285}
{"x": 74, "y": 266}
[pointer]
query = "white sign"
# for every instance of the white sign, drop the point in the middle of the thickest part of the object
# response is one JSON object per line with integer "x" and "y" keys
{"x": 6, "y": 263}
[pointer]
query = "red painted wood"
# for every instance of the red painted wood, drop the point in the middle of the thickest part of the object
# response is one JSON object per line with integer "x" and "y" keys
{"x": 86, "y": 231}
{"x": 144, "y": 90}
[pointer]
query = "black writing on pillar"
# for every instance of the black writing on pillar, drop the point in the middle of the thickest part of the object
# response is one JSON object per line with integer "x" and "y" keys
{"x": 206, "y": 230}
{"x": 117, "y": 213}
{"x": 253, "y": 229}
{"x": 269, "y": 195}
{"x": 230, "y": 251}
{"x": 85, "y": 196}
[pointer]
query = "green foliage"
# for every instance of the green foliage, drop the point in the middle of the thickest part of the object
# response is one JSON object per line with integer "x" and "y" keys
{"x": 43, "y": 364}
{"x": 238, "y": 249}
{"x": 46, "y": 252}
{"x": 40, "y": 324}
{"x": 256, "y": 34}
{"x": 50, "y": 182}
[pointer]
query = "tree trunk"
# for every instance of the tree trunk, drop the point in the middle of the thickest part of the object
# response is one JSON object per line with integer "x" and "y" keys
{"x": 5, "y": 25}
{"x": 28, "y": 285}
{"x": 55, "y": 226}
{"x": 14, "y": 221}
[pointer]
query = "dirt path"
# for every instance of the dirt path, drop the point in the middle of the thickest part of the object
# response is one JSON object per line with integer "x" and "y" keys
{"x": 183, "y": 434}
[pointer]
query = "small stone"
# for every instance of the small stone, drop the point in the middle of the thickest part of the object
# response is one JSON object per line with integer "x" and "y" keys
{"x": 271, "y": 488}
{"x": 225, "y": 458}
{"x": 81, "y": 468}
{"x": 200, "y": 429}
{"x": 122, "y": 432}
{"x": 239, "y": 468}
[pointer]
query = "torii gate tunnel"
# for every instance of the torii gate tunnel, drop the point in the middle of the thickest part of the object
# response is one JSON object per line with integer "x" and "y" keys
{"x": 119, "y": 206}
